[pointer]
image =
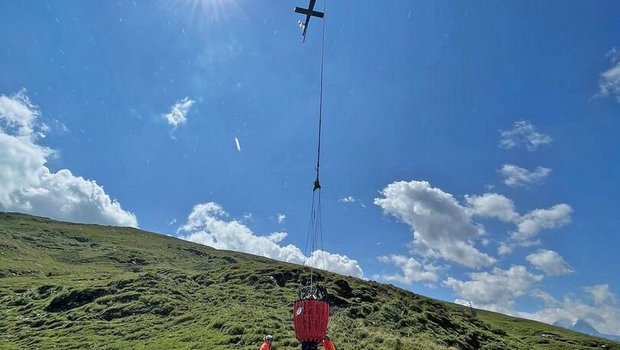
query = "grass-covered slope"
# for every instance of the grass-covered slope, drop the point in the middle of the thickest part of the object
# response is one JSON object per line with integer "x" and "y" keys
{"x": 73, "y": 286}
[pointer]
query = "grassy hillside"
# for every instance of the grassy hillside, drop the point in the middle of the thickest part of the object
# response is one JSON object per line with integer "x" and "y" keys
{"x": 73, "y": 286}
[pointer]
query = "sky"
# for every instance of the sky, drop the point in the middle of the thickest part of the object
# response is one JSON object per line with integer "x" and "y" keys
{"x": 469, "y": 151}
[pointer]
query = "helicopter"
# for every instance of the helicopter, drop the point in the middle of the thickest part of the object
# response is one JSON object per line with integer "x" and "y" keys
{"x": 309, "y": 12}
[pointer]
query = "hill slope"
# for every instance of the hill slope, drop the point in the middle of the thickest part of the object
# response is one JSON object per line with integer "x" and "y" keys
{"x": 73, "y": 286}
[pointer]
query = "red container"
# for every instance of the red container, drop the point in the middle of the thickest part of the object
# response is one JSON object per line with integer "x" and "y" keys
{"x": 310, "y": 318}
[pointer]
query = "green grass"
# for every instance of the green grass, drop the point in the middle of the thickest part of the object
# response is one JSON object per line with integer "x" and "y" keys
{"x": 73, "y": 286}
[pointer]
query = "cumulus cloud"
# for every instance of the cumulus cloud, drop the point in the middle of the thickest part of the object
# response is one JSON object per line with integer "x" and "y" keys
{"x": 504, "y": 249}
{"x": 178, "y": 113}
{"x": 604, "y": 315}
{"x": 21, "y": 161}
{"x": 515, "y": 176}
{"x": 411, "y": 270}
{"x": 609, "y": 81}
{"x": 209, "y": 224}
{"x": 29, "y": 186}
{"x": 499, "y": 290}
{"x": 64, "y": 196}
{"x": 442, "y": 228}
{"x": 335, "y": 263}
{"x": 492, "y": 205}
{"x": 496, "y": 290}
{"x": 523, "y": 134}
{"x": 550, "y": 262}
{"x": 18, "y": 114}
{"x": 531, "y": 223}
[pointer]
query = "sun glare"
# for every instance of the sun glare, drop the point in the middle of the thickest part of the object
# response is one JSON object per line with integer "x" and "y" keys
{"x": 200, "y": 13}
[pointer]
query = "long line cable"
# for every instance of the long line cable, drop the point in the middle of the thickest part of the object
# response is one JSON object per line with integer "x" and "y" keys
{"x": 315, "y": 228}
{"x": 318, "y": 158}
{"x": 318, "y": 152}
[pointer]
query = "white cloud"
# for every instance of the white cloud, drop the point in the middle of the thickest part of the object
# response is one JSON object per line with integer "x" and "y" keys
{"x": 64, "y": 196}
{"x": 609, "y": 81}
{"x": 550, "y": 262}
{"x": 545, "y": 297}
{"x": 601, "y": 294}
{"x": 497, "y": 290}
{"x": 504, "y": 249}
{"x": 492, "y": 205}
{"x": 18, "y": 114}
{"x": 411, "y": 270}
{"x": 515, "y": 176}
{"x": 523, "y": 134}
{"x": 208, "y": 224}
{"x": 280, "y": 218}
{"x": 21, "y": 161}
{"x": 531, "y": 223}
{"x": 335, "y": 263}
{"x": 441, "y": 226}
{"x": 29, "y": 186}
{"x": 351, "y": 200}
{"x": 178, "y": 113}
{"x": 348, "y": 199}
{"x": 604, "y": 315}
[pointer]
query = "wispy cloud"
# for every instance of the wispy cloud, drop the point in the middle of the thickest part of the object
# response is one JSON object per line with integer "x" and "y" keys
{"x": 601, "y": 294}
{"x": 178, "y": 113}
{"x": 411, "y": 270}
{"x": 609, "y": 80}
{"x": 348, "y": 199}
{"x": 515, "y": 176}
{"x": 523, "y": 134}
{"x": 280, "y": 218}
{"x": 351, "y": 200}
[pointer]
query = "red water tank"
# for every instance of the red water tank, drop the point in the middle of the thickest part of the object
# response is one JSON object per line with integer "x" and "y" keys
{"x": 310, "y": 318}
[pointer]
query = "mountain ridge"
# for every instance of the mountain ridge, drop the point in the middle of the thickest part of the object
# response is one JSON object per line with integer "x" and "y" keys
{"x": 584, "y": 327}
{"x": 65, "y": 285}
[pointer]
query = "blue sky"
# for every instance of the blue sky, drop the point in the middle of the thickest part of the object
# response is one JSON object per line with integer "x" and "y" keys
{"x": 469, "y": 151}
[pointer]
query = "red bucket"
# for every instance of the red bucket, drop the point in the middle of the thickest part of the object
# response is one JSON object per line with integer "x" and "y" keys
{"x": 310, "y": 318}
